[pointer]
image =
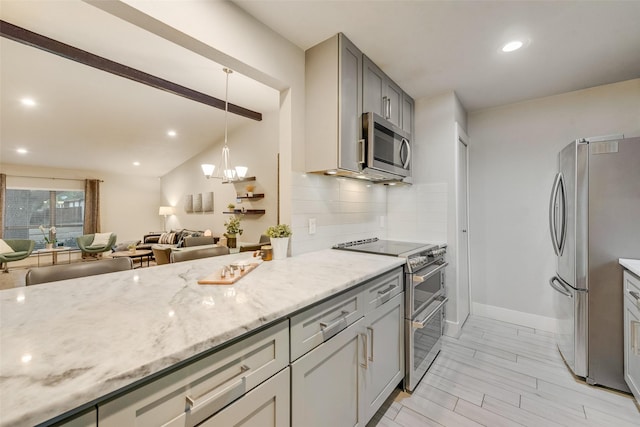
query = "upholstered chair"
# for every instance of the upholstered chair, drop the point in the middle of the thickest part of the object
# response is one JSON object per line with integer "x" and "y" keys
{"x": 85, "y": 244}
{"x": 22, "y": 248}
{"x": 178, "y": 256}
{"x": 54, "y": 273}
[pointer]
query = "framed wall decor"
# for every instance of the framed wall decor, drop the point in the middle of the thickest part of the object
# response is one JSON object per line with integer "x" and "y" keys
{"x": 188, "y": 203}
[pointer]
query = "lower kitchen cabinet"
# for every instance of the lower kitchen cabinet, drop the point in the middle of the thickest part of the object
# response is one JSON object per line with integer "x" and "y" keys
{"x": 384, "y": 367}
{"x": 88, "y": 419}
{"x": 632, "y": 333}
{"x": 326, "y": 382}
{"x": 267, "y": 405}
{"x": 195, "y": 392}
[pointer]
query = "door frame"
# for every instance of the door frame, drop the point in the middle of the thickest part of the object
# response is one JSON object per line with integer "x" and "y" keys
{"x": 462, "y": 138}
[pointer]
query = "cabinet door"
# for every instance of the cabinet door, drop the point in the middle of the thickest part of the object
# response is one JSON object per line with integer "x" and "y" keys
{"x": 326, "y": 383}
{"x": 265, "y": 406}
{"x": 393, "y": 97}
{"x": 88, "y": 419}
{"x": 407, "y": 115}
{"x": 350, "y": 109}
{"x": 385, "y": 353}
{"x": 631, "y": 335}
{"x": 374, "y": 88}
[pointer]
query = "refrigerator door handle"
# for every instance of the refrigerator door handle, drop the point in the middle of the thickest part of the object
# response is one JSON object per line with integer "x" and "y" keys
{"x": 563, "y": 233}
{"x": 562, "y": 288}
{"x": 552, "y": 214}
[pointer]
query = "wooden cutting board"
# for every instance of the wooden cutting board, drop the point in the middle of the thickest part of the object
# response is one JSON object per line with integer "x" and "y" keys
{"x": 217, "y": 279}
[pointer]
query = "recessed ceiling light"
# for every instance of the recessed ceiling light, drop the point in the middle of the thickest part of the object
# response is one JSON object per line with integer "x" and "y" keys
{"x": 172, "y": 133}
{"x": 136, "y": 163}
{"x": 29, "y": 102}
{"x": 512, "y": 45}
{"x": 21, "y": 151}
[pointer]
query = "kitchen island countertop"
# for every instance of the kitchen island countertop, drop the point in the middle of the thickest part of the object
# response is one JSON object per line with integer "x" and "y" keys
{"x": 633, "y": 265}
{"x": 65, "y": 344}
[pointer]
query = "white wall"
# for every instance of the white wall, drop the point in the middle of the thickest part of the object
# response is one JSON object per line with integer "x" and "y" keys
{"x": 513, "y": 161}
{"x": 129, "y": 204}
{"x": 255, "y": 146}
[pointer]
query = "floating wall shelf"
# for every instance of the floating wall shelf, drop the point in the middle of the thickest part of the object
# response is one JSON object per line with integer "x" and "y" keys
{"x": 247, "y": 212}
{"x": 245, "y": 179}
{"x": 254, "y": 197}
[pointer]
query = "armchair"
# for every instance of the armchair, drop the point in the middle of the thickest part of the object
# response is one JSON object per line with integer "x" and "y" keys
{"x": 22, "y": 248}
{"x": 85, "y": 243}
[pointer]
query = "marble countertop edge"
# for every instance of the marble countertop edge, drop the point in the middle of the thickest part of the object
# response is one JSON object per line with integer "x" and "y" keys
{"x": 633, "y": 265}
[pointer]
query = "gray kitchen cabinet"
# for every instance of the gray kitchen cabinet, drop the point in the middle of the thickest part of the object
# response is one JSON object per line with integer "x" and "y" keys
{"x": 268, "y": 405}
{"x": 632, "y": 332}
{"x": 333, "y": 91}
{"x": 87, "y": 419}
{"x": 381, "y": 95}
{"x": 194, "y": 392}
{"x": 384, "y": 366}
{"x": 408, "y": 111}
{"x": 326, "y": 382}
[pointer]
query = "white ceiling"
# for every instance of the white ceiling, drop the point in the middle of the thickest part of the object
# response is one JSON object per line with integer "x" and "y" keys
{"x": 428, "y": 47}
{"x": 431, "y": 47}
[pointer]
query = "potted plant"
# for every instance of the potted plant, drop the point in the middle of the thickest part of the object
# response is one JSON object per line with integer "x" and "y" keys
{"x": 49, "y": 237}
{"x": 231, "y": 207}
{"x": 233, "y": 229}
{"x": 132, "y": 247}
{"x": 279, "y": 235}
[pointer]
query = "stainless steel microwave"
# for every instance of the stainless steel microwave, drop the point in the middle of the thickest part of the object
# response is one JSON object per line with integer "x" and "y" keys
{"x": 387, "y": 148}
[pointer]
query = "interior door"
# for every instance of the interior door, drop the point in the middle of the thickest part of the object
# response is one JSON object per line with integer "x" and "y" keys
{"x": 463, "y": 227}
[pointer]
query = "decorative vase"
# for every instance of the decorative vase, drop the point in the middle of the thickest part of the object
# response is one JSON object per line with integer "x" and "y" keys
{"x": 231, "y": 241}
{"x": 48, "y": 245}
{"x": 280, "y": 246}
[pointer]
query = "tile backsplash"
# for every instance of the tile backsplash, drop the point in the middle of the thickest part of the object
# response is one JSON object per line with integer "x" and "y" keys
{"x": 344, "y": 210}
{"x": 348, "y": 209}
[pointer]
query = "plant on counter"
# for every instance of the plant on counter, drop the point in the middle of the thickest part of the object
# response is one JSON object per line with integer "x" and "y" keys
{"x": 278, "y": 231}
{"x": 233, "y": 227}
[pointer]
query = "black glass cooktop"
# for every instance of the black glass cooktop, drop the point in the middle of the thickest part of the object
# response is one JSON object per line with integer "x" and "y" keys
{"x": 383, "y": 247}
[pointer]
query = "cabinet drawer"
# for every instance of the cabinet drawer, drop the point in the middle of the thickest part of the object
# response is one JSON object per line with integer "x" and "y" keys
{"x": 268, "y": 405}
{"x": 632, "y": 348}
{"x": 195, "y": 392}
{"x": 382, "y": 289}
{"x": 632, "y": 288}
{"x": 314, "y": 326}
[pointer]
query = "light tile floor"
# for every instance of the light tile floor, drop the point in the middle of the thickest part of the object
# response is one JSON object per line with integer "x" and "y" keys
{"x": 501, "y": 374}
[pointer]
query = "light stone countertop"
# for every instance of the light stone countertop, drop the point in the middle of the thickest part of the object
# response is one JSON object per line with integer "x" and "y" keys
{"x": 68, "y": 343}
{"x": 633, "y": 265}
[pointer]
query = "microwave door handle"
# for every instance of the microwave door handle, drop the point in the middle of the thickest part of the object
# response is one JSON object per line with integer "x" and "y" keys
{"x": 552, "y": 214}
{"x": 405, "y": 143}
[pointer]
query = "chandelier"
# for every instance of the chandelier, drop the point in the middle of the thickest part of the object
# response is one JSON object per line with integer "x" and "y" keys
{"x": 225, "y": 171}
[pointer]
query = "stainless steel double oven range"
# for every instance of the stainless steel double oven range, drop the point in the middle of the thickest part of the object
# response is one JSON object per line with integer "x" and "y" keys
{"x": 424, "y": 299}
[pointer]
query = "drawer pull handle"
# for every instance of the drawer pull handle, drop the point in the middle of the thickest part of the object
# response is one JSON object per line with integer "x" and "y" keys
{"x": 215, "y": 400}
{"x": 386, "y": 294}
{"x": 341, "y": 320}
{"x": 636, "y": 295}
{"x": 370, "y": 329}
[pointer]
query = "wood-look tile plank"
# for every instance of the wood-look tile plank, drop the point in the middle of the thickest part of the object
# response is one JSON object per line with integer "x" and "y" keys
{"x": 448, "y": 343}
{"x": 496, "y": 324}
{"x": 435, "y": 395}
{"x": 619, "y": 419}
{"x": 409, "y": 418}
{"x": 483, "y": 416}
{"x": 452, "y": 388}
{"x": 382, "y": 421}
{"x": 501, "y": 344}
{"x": 436, "y": 413}
{"x": 516, "y": 414}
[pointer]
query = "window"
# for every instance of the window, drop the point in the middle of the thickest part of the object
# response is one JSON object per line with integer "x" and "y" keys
{"x": 27, "y": 210}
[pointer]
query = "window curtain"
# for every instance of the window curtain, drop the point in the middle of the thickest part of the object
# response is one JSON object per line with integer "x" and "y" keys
{"x": 91, "y": 206}
{"x": 3, "y": 198}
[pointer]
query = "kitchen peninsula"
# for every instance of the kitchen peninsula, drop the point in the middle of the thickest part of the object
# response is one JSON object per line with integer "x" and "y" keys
{"x": 68, "y": 345}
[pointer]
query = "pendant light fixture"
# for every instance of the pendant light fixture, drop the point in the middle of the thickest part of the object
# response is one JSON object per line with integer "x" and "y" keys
{"x": 225, "y": 171}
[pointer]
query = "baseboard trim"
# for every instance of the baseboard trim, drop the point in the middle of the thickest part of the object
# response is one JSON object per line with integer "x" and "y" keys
{"x": 517, "y": 317}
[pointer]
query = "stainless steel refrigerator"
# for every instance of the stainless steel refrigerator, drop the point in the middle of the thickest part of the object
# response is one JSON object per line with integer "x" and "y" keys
{"x": 594, "y": 217}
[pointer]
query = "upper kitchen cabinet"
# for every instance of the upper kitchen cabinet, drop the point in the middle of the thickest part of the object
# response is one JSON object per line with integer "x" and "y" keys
{"x": 333, "y": 75}
{"x": 408, "y": 108}
{"x": 381, "y": 95}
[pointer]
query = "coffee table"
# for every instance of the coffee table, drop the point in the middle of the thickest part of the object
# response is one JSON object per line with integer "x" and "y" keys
{"x": 54, "y": 253}
{"x": 139, "y": 253}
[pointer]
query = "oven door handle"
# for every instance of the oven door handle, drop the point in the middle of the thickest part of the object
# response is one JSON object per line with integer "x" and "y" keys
{"x": 422, "y": 323}
{"x": 419, "y": 279}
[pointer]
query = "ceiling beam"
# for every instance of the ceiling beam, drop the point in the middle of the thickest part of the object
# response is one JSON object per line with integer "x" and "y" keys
{"x": 47, "y": 44}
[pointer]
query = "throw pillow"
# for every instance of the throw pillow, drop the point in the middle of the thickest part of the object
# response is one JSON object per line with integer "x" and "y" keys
{"x": 101, "y": 239}
{"x": 5, "y": 248}
{"x": 167, "y": 238}
{"x": 124, "y": 246}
